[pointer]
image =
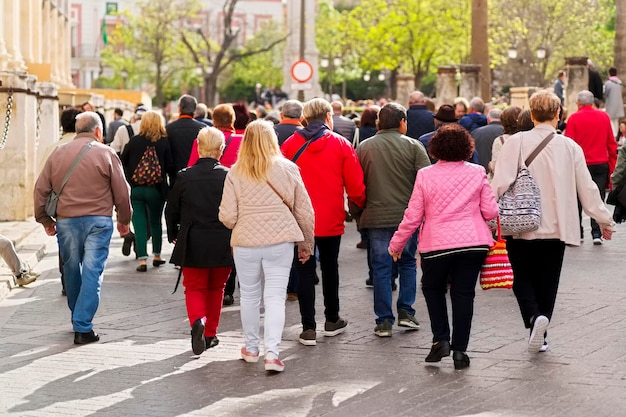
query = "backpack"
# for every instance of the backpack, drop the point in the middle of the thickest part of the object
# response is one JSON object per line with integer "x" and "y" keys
{"x": 148, "y": 171}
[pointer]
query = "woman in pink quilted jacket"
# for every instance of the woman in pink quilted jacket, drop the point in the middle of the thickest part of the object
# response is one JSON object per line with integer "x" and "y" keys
{"x": 266, "y": 205}
{"x": 451, "y": 202}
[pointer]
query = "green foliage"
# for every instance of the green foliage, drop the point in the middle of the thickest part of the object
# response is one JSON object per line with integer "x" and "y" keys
{"x": 264, "y": 68}
{"x": 148, "y": 45}
{"x": 572, "y": 28}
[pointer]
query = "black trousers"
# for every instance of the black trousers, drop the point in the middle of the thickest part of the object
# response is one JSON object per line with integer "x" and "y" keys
{"x": 328, "y": 248}
{"x": 600, "y": 175}
{"x": 537, "y": 269}
{"x": 461, "y": 269}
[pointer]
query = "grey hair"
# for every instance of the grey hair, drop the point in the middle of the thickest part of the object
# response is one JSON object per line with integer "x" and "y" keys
{"x": 201, "y": 110}
{"x": 87, "y": 122}
{"x": 585, "y": 97}
{"x": 477, "y": 104}
{"x": 494, "y": 114}
{"x": 187, "y": 104}
{"x": 417, "y": 97}
{"x": 292, "y": 109}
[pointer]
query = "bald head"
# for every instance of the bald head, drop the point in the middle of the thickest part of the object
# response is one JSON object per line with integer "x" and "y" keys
{"x": 417, "y": 97}
{"x": 89, "y": 122}
{"x": 337, "y": 107}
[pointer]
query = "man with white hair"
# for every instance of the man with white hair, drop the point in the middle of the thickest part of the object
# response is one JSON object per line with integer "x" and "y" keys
{"x": 419, "y": 119}
{"x": 290, "y": 120}
{"x": 591, "y": 129}
{"x": 474, "y": 117}
{"x": 484, "y": 136}
{"x": 83, "y": 219}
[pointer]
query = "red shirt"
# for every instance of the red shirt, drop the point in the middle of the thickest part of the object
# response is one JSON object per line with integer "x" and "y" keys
{"x": 229, "y": 157}
{"x": 592, "y": 130}
{"x": 328, "y": 166}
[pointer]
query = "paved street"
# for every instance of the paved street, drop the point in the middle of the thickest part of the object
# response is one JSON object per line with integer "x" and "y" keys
{"x": 143, "y": 365}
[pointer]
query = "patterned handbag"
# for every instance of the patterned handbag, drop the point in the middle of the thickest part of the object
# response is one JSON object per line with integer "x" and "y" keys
{"x": 148, "y": 171}
{"x": 520, "y": 205}
{"x": 496, "y": 271}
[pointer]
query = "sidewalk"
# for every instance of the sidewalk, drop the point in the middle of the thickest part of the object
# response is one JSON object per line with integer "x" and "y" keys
{"x": 143, "y": 365}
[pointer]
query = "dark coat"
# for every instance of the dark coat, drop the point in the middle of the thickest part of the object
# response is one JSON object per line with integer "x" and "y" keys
{"x": 134, "y": 151}
{"x": 191, "y": 215}
{"x": 483, "y": 140}
{"x": 182, "y": 133}
{"x": 419, "y": 121}
{"x": 285, "y": 130}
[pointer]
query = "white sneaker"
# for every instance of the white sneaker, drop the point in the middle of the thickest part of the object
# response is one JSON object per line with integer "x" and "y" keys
{"x": 544, "y": 347}
{"x": 597, "y": 241}
{"x": 249, "y": 356}
{"x": 272, "y": 363}
{"x": 536, "y": 336}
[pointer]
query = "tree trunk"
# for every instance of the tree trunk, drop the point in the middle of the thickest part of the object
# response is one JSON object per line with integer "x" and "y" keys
{"x": 159, "y": 87}
{"x": 620, "y": 37}
{"x": 480, "y": 45}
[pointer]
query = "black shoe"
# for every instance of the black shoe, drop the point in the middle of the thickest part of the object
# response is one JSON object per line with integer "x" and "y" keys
{"x": 84, "y": 338}
{"x": 369, "y": 282}
{"x": 316, "y": 280}
{"x": 394, "y": 285}
{"x": 439, "y": 350}
{"x": 63, "y": 293}
{"x": 129, "y": 241}
{"x": 142, "y": 268}
{"x": 211, "y": 342}
{"x": 197, "y": 337}
{"x": 228, "y": 300}
{"x": 461, "y": 360}
{"x": 157, "y": 262}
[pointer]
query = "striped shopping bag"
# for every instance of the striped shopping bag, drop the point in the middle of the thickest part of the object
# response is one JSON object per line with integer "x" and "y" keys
{"x": 496, "y": 271}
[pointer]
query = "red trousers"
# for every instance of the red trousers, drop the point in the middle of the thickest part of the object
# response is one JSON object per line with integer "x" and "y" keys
{"x": 204, "y": 291}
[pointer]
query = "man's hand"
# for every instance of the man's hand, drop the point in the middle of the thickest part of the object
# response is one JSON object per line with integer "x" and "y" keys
{"x": 123, "y": 229}
{"x": 51, "y": 229}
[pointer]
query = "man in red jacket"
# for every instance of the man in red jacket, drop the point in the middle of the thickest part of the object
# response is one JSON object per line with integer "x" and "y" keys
{"x": 592, "y": 130}
{"x": 329, "y": 168}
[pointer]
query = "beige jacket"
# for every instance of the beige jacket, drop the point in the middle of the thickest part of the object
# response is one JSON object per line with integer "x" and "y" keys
{"x": 258, "y": 216}
{"x": 561, "y": 174}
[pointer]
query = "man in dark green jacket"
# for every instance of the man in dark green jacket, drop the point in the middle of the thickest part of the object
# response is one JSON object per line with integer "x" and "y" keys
{"x": 390, "y": 162}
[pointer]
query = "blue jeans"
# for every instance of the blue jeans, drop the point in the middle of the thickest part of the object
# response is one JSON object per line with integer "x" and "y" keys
{"x": 382, "y": 265}
{"x": 84, "y": 245}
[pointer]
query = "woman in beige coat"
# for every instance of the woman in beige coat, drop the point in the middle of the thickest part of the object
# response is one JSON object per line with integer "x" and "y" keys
{"x": 561, "y": 174}
{"x": 268, "y": 208}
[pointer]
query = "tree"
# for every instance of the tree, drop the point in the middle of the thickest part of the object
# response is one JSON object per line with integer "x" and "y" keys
{"x": 480, "y": 45}
{"x": 620, "y": 36}
{"x": 213, "y": 58}
{"x": 412, "y": 36}
{"x": 572, "y": 28}
{"x": 150, "y": 43}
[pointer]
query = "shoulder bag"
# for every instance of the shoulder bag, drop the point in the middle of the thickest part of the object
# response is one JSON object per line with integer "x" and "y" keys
{"x": 520, "y": 205}
{"x": 306, "y": 145}
{"x": 53, "y": 197}
{"x": 496, "y": 271}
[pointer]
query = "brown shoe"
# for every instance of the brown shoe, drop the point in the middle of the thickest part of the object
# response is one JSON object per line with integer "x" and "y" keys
{"x": 292, "y": 296}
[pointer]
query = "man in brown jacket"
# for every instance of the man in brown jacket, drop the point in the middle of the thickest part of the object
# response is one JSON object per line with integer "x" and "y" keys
{"x": 84, "y": 216}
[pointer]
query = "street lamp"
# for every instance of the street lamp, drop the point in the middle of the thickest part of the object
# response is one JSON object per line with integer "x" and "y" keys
{"x": 541, "y": 52}
{"x": 331, "y": 64}
{"x": 367, "y": 77}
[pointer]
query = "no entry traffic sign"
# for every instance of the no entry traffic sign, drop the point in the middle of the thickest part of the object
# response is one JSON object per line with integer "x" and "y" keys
{"x": 302, "y": 71}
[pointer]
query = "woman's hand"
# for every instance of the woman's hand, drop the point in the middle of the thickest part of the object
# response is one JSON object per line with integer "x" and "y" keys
{"x": 303, "y": 255}
{"x": 607, "y": 234}
{"x": 394, "y": 255}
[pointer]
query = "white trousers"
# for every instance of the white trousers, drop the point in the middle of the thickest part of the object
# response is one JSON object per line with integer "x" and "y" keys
{"x": 263, "y": 270}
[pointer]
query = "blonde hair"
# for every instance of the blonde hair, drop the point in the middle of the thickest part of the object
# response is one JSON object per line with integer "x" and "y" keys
{"x": 258, "y": 148}
{"x": 210, "y": 142}
{"x": 316, "y": 109}
{"x": 151, "y": 126}
{"x": 544, "y": 105}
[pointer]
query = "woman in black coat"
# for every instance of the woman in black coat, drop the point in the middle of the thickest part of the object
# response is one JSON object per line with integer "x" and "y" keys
{"x": 147, "y": 161}
{"x": 202, "y": 242}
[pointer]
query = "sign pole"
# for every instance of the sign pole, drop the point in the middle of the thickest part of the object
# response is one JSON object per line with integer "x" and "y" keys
{"x": 302, "y": 39}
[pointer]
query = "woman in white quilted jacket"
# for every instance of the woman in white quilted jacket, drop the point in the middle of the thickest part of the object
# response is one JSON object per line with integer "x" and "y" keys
{"x": 266, "y": 205}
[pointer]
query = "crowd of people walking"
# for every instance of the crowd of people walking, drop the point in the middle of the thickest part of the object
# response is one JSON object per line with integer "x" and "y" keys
{"x": 263, "y": 202}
